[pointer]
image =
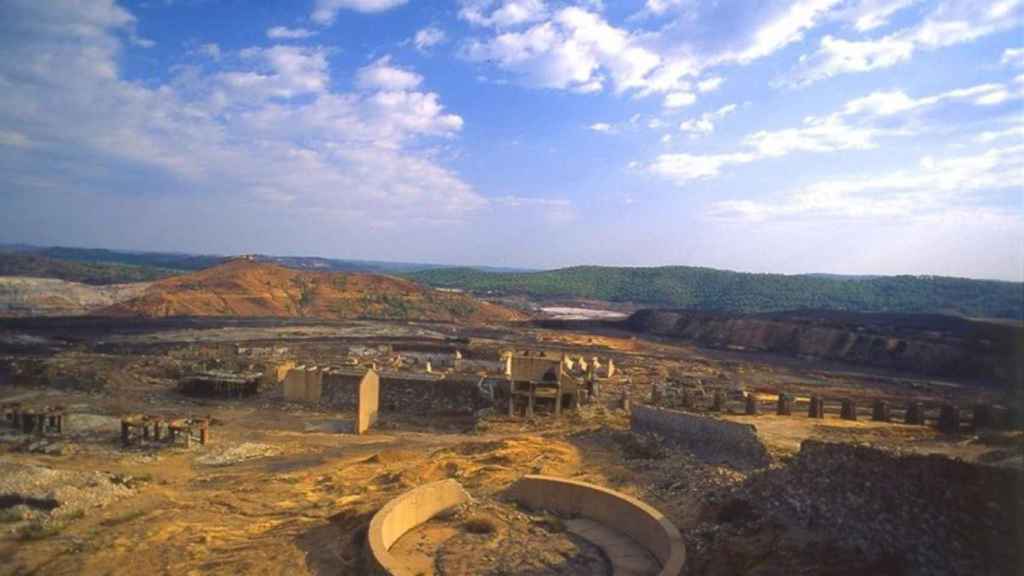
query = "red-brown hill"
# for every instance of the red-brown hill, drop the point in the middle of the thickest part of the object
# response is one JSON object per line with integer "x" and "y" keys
{"x": 243, "y": 287}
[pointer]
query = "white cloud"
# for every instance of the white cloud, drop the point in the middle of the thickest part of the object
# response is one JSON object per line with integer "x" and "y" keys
{"x": 239, "y": 136}
{"x": 951, "y": 22}
{"x": 574, "y": 50}
{"x": 382, "y": 75}
{"x": 786, "y": 28}
{"x": 936, "y": 185}
{"x": 705, "y": 125}
{"x": 429, "y": 37}
{"x": 502, "y": 13}
{"x": 659, "y": 7}
{"x": 326, "y": 11}
{"x": 211, "y": 50}
{"x": 710, "y": 84}
{"x": 683, "y": 167}
{"x": 679, "y": 99}
{"x": 857, "y": 126}
{"x": 867, "y": 15}
{"x": 1013, "y": 56}
{"x": 278, "y": 72}
{"x": 283, "y": 33}
{"x": 602, "y": 127}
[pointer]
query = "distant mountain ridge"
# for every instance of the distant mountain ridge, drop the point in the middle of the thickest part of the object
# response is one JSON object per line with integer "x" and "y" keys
{"x": 721, "y": 290}
{"x": 178, "y": 262}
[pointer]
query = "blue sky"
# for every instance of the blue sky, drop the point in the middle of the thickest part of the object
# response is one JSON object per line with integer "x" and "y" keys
{"x": 842, "y": 136}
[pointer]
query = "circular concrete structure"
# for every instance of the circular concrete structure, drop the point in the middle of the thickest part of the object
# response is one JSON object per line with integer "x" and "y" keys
{"x": 644, "y": 525}
{"x": 403, "y": 514}
{"x": 627, "y": 530}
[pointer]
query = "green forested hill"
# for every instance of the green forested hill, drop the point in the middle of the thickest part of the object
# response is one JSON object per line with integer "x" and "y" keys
{"x": 710, "y": 289}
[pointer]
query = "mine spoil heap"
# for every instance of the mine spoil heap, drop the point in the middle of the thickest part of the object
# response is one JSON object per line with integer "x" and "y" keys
{"x": 242, "y": 287}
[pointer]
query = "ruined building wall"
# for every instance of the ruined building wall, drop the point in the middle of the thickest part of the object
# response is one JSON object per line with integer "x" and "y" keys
{"x": 711, "y": 439}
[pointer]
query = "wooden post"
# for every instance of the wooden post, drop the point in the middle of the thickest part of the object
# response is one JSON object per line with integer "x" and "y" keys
{"x": 204, "y": 433}
{"x": 530, "y": 400}
{"x": 124, "y": 433}
{"x": 558, "y": 402}
{"x": 156, "y": 430}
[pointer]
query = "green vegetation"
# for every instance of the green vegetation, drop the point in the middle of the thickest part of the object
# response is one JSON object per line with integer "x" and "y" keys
{"x": 87, "y": 273}
{"x": 710, "y": 289}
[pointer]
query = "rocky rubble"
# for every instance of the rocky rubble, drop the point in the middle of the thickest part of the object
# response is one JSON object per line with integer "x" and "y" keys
{"x": 42, "y": 495}
{"x": 912, "y": 514}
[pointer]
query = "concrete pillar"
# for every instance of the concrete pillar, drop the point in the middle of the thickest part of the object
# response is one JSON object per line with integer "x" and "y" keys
{"x": 530, "y": 401}
{"x": 816, "y": 407}
{"x": 753, "y": 406}
{"x": 915, "y": 413}
{"x": 949, "y": 419}
{"x": 718, "y": 401}
{"x": 982, "y": 416}
{"x": 784, "y": 407}
{"x": 880, "y": 411}
{"x": 849, "y": 410}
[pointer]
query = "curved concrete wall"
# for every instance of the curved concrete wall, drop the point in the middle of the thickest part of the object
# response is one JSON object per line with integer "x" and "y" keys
{"x": 644, "y": 524}
{"x": 403, "y": 514}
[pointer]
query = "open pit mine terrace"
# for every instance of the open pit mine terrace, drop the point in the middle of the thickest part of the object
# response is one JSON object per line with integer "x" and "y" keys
{"x": 226, "y": 446}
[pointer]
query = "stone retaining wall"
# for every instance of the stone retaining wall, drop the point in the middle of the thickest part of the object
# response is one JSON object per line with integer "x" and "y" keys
{"x": 711, "y": 439}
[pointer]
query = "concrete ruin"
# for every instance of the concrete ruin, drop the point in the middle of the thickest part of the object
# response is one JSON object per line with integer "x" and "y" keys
{"x": 626, "y": 530}
{"x": 534, "y": 375}
{"x": 711, "y": 439}
{"x": 214, "y": 384}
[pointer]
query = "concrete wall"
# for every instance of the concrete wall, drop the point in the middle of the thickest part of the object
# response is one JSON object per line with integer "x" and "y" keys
{"x": 303, "y": 384}
{"x": 403, "y": 514}
{"x": 711, "y": 439}
{"x": 369, "y": 400}
{"x": 647, "y": 526}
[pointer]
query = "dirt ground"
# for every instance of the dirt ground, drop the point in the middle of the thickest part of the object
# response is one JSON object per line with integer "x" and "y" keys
{"x": 270, "y": 494}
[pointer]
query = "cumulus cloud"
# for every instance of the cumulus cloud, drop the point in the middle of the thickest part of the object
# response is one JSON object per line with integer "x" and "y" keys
{"x": 270, "y": 129}
{"x": 574, "y": 49}
{"x": 382, "y": 75}
{"x": 951, "y": 22}
{"x": 429, "y": 37}
{"x": 283, "y": 33}
{"x": 502, "y": 13}
{"x": 326, "y": 11}
{"x": 937, "y": 184}
{"x": 602, "y": 127}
